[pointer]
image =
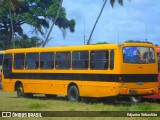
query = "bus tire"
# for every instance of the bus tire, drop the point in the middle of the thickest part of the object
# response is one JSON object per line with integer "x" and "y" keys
{"x": 136, "y": 99}
{"x": 73, "y": 94}
{"x": 49, "y": 96}
{"x": 20, "y": 90}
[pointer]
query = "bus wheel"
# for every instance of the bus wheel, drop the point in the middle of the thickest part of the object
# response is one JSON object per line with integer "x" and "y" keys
{"x": 136, "y": 99}
{"x": 73, "y": 94}
{"x": 20, "y": 90}
{"x": 49, "y": 96}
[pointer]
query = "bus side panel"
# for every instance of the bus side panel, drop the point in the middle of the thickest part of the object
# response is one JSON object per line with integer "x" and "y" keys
{"x": 98, "y": 89}
{"x": 107, "y": 91}
{"x": 8, "y": 85}
{"x": 45, "y": 87}
{"x": 58, "y": 87}
{"x": 86, "y": 89}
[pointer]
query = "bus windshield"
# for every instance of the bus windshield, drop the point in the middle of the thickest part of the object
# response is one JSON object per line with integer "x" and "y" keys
{"x": 138, "y": 55}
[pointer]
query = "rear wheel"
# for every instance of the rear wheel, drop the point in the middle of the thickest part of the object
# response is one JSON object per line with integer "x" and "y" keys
{"x": 136, "y": 99}
{"x": 73, "y": 94}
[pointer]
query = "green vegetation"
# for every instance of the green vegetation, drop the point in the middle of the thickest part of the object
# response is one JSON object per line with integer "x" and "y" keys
{"x": 102, "y": 42}
{"x": 36, "y": 13}
{"x": 39, "y": 102}
{"x": 37, "y": 106}
{"x": 137, "y": 41}
{"x": 9, "y": 101}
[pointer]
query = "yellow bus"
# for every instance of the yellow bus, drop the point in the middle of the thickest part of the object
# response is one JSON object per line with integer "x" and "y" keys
{"x": 98, "y": 71}
{"x": 1, "y": 60}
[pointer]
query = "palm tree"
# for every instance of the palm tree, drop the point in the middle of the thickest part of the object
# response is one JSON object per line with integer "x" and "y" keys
{"x": 58, "y": 12}
{"x": 12, "y": 4}
{"x": 112, "y": 2}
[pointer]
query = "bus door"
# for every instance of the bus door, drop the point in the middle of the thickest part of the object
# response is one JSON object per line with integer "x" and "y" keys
{"x": 7, "y": 66}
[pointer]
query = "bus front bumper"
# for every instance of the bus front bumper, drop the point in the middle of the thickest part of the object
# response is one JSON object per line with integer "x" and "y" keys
{"x": 130, "y": 91}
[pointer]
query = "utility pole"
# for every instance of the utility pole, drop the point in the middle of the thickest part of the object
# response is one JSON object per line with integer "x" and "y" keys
{"x": 84, "y": 33}
{"x": 146, "y": 33}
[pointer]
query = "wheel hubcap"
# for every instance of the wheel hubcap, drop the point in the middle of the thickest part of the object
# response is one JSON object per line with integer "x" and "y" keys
{"x": 20, "y": 91}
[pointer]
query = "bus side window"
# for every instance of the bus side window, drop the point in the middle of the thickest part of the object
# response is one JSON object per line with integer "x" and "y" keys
{"x": 63, "y": 60}
{"x": 80, "y": 59}
{"x": 19, "y": 61}
{"x": 111, "y": 59}
{"x": 47, "y": 60}
{"x": 99, "y": 59}
{"x": 158, "y": 55}
{"x": 32, "y": 60}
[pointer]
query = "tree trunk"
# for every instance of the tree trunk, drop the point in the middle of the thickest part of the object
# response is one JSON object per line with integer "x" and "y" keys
{"x": 59, "y": 10}
{"x": 89, "y": 40}
{"x": 7, "y": 34}
{"x": 12, "y": 29}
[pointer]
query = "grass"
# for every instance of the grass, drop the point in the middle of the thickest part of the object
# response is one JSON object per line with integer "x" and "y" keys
{"x": 37, "y": 106}
{"x": 10, "y": 102}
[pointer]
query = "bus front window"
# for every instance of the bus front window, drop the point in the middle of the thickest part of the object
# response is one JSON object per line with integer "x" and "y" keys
{"x": 138, "y": 55}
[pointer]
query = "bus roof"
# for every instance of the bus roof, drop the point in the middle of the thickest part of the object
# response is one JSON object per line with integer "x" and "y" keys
{"x": 76, "y": 48}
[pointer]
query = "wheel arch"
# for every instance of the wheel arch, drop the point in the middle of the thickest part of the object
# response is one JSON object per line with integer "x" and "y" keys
{"x": 72, "y": 84}
{"x": 16, "y": 84}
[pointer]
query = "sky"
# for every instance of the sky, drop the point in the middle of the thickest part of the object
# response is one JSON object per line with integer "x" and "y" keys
{"x": 135, "y": 20}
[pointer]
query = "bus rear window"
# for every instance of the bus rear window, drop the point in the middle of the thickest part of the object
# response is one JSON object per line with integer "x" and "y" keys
{"x": 138, "y": 55}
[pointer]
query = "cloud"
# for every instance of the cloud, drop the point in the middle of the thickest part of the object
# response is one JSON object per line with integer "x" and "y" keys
{"x": 130, "y": 20}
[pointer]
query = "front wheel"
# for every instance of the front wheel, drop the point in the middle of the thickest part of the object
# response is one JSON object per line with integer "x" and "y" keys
{"x": 136, "y": 99}
{"x": 73, "y": 94}
{"x": 20, "y": 92}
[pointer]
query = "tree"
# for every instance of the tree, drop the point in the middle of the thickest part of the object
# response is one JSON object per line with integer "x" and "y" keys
{"x": 137, "y": 41}
{"x": 26, "y": 42}
{"x": 37, "y": 14}
{"x": 102, "y": 42}
{"x": 57, "y": 15}
{"x": 12, "y": 5}
{"x": 54, "y": 21}
{"x": 112, "y": 2}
